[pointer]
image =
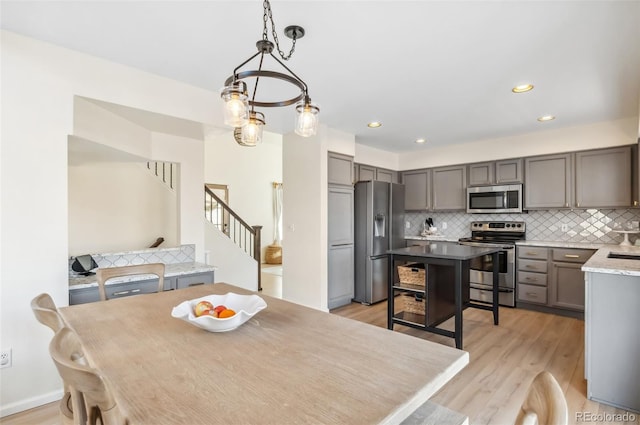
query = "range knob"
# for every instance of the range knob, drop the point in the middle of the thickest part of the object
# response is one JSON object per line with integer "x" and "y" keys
{"x": 519, "y": 224}
{"x": 508, "y": 225}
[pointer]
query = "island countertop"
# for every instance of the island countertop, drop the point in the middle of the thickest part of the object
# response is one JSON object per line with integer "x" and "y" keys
{"x": 78, "y": 282}
{"x": 446, "y": 250}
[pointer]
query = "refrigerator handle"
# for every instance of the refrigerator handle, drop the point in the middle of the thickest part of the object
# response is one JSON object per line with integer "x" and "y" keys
{"x": 379, "y": 226}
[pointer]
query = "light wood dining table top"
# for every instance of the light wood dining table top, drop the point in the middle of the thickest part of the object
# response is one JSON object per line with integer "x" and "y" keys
{"x": 289, "y": 364}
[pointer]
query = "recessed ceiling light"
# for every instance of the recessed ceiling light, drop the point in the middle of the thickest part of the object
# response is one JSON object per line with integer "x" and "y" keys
{"x": 546, "y": 118}
{"x": 522, "y": 88}
{"x": 374, "y": 124}
{"x": 421, "y": 140}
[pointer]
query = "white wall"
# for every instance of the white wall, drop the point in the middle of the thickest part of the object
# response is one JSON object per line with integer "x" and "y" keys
{"x": 39, "y": 82}
{"x": 590, "y": 136}
{"x": 249, "y": 173}
{"x": 116, "y": 206}
{"x": 233, "y": 265}
{"x": 376, "y": 157}
{"x": 304, "y": 248}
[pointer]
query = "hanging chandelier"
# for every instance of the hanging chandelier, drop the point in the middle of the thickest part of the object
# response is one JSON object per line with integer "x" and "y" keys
{"x": 239, "y": 109}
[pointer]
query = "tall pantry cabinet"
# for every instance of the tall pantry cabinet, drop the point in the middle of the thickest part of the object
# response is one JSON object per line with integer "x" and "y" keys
{"x": 340, "y": 256}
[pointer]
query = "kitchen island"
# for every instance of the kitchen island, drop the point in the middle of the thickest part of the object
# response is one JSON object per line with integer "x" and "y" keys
{"x": 612, "y": 339}
{"x": 445, "y": 292}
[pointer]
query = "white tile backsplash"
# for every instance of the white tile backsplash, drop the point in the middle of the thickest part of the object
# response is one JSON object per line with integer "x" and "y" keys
{"x": 591, "y": 225}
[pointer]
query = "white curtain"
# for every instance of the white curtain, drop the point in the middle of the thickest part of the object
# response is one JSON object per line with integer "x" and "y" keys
{"x": 277, "y": 213}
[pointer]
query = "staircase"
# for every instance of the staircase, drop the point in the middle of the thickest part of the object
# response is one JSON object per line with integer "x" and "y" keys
{"x": 228, "y": 222}
{"x": 165, "y": 171}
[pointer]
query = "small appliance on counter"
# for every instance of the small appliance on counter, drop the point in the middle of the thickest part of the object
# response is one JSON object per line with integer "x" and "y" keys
{"x": 83, "y": 264}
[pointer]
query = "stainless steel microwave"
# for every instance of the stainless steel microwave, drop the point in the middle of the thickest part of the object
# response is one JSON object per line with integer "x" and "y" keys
{"x": 495, "y": 199}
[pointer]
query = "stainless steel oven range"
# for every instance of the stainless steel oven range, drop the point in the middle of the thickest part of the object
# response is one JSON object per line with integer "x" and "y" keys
{"x": 503, "y": 234}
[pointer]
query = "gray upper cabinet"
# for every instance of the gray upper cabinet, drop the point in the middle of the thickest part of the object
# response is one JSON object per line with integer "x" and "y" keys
{"x": 495, "y": 172}
{"x": 449, "y": 188}
{"x": 369, "y": 172}
{"x": 386, "y": 175}
{"x": 340, "y": 169}
{"x": 548, "y": 181}
{"x": 365, "y": 173}
{"x": 417, "y": 190}
{"x": 509, "y": 171}
{"x": 603, "y": 178}
{"x": 482, "y": 173}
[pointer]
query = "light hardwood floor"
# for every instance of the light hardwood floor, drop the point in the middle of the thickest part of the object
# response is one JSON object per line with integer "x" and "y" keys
{"x": 504, "y": 361}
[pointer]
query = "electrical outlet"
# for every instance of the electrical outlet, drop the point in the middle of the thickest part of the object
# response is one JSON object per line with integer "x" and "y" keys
{"x": 5, "y": 358}
{"x": 564, "y": 227}
{"x": 407, "y": 224}
{"x": 444, "y": 225}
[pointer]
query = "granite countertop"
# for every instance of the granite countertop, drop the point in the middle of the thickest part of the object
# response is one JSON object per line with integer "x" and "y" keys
{"x": 445, "y": 250}
{"x": 600, "y": 263}
{"x": 78, "y": 282}
{"x": 564, "y": 244}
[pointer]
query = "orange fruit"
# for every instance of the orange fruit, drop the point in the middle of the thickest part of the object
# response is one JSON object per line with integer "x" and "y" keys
{"x": 226, "y": 313}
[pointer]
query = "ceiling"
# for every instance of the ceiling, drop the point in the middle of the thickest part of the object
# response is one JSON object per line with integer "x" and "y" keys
{"x": 439, "y": 70}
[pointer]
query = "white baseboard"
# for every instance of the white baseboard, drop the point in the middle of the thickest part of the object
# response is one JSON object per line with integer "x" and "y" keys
{"x": 30, "y": 403}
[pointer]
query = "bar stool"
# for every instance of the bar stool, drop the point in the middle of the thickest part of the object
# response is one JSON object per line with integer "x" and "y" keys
{"x": 545, "y": 403}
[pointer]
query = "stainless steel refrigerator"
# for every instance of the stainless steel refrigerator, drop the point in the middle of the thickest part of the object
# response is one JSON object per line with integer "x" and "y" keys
{"x": 379, "y": 226}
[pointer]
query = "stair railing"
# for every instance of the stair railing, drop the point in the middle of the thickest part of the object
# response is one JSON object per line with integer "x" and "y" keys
{"x": 245, "y": 236}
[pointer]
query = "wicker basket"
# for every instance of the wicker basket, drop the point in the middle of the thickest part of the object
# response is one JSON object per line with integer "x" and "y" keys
{"x": 414, "y": 303}
{"x": 411, "y": 275}
{"x": 273, "y": 254}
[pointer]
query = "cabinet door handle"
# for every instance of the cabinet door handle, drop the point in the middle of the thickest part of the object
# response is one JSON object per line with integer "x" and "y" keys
{"x": 532, "y": 253}
{"x": 566, "y": 204}
{"x": 635, "y": 203}
{"x": 531, "y": 279}
{"x": 571, "y": 256}
{"x": 529, "y": 266}
{"x": 132, "y": 291}
{"x": 532, "y": 294}
{"x": 196, "y": 284}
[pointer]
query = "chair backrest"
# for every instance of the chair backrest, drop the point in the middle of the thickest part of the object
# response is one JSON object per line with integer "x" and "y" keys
{"x": 104, "y": 274}
{"x": 46, "y": 312}
{"x": 545, "y": 403}
{"x": 90, "y": 394}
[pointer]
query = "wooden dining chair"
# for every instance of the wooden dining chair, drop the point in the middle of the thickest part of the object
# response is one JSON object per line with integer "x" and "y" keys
{"x": 46, "y": 312}
{"x": 545, "y": 403}
{"x": 104, "y": 274}
{"x": 92, "y": 400}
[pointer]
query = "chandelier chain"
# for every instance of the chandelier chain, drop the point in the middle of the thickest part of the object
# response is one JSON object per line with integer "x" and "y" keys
{"x": 268, "y": 16}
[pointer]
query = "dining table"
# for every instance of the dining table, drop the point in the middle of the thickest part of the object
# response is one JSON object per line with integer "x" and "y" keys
{"x": 288, "y": 364}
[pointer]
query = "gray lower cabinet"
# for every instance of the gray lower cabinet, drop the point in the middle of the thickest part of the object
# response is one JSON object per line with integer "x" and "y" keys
{"x": 193, "y": 280}
{"x": 449, "y": 188}
{"x": 417, "y": 190}
{"x": 548, "y": 181}
{"x": 341, "y": 275}
{"x": 612, "y": 340}
{"x": 552, "y": 277}
{"x": 126, "y": 289}
{"x": 603, "y": 178}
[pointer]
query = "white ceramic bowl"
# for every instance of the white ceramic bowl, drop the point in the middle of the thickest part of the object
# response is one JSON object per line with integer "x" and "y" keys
{"x": 245, "y": 306}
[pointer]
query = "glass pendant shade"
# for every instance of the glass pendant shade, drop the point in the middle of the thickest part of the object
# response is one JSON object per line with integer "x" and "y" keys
{"x": 236, "y": 104}
{"x": 307, "y": 119}
{"x": 252, "y": 130}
